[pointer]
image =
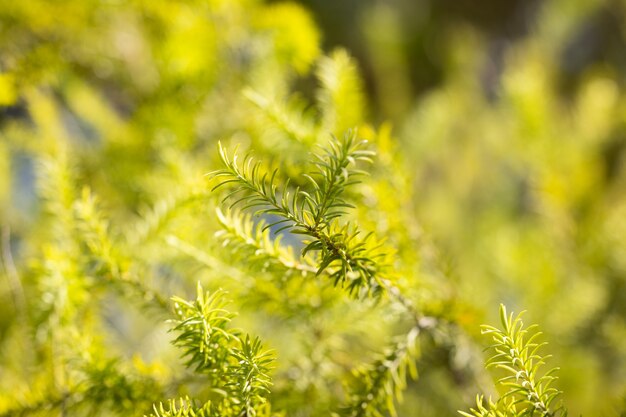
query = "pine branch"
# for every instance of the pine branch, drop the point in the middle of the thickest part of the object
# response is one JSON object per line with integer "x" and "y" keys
{"x": 352, "y": 259}
{"x": 335, "y": 173}
{"x": 516, "y": 351}
{"x": 203, "y": 334}
{"x": 250, "y": 380}
{"x": 236, "y": 365}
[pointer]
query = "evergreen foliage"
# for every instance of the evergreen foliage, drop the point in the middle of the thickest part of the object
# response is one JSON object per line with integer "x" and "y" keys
{"x": 360, "y": 258}
{"x": 313, "y": 213}
{"x": 236, "y": 366}
{"x": 516, "y": 352}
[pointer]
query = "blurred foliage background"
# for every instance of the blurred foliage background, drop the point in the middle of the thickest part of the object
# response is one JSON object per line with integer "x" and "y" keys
{"x": 501, "y": 177}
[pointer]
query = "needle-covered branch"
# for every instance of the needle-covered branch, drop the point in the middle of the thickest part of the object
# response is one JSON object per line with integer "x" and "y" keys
{"x": 515, "y": 350}
{"x": 236, "y": 365}
{"x": 351, "y": 257}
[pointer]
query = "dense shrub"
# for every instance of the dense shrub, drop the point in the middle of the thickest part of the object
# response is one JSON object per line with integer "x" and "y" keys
{"x": 319, "y": 263}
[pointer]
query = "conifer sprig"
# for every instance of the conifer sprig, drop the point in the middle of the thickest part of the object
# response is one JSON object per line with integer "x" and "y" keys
{"x": 303, "y": 211}
{"x": 335, "y": 171}
{"x": 203, "y": 334}
{"x": 237, "y": 365}
{"x": 516, "y": 352}
{"x": 257, "y": 190}
{"x": 249, "y": 379}
{"x": 352, "y": 259}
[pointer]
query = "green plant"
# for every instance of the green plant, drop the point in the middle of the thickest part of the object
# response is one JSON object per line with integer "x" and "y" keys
{"x": 527, "y": 391}
{"x": 235, "y": 365}
{"x": 313, "y": 213}
{"x": 363, "y": 255}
